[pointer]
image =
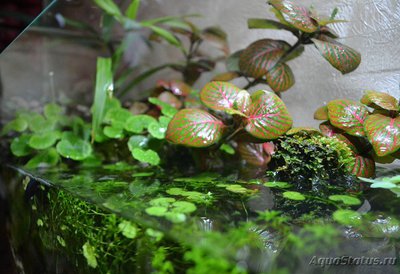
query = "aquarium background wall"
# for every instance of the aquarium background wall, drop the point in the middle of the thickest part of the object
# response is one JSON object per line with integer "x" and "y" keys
{"x": 53, "y": 62}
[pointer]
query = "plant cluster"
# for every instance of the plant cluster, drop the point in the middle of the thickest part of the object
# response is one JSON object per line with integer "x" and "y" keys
{"x": 371, "y": 128}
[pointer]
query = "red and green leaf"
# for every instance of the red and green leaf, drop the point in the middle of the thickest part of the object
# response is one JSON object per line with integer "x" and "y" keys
{"x": 280, "y": 78}
{"x": 321, "y": 113}
{"x": 341, "y": 57}
{"x": 242, "y": 102}
{"x": 219, "y": 95}
{"x": 261, "y": 56}
{"x": 254, "y": 154}
{"x": 194, "y": 128}
{"x": 268, "y": 117}
{"x": 364, "y": 167}
{"x": 380, "y": 100}
{"x": 297, "y": 16}
{"x": 348, "y": 115}
{"x": 226, "y": 76}
{"x": 383, "y": 133}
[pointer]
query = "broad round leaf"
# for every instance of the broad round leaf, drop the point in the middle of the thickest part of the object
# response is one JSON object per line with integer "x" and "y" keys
{"x": 146, "y": 156}
{"x": 113, "y": 132}
{"x": 380, "y": 100}
{"x": 73, "y": 147}
{"x": 156, "y": 211}
{"x": 341, "y": 57}
{"x": 364, "y": 167}
{"x": 348, "y": 115}
{"x": 253, "y": 154}
{"x": 117, "y": 117}
{"x": 38, "y": 123}
{"x": 183, "y": 207}
{"x": 293, "y": 195}
{"x": 19, "y": 146}
{"x": 384, "y": 133}
{"x": 219, "y": 95}
{"x": 347, "y": 217}
{"x": 268, "y": 116}
{"x": 242, "y": 102}
{"x": 346, "y": 199}
{"x": 194, "y": 128}
{"x": 45, "y": 158}
{"x": 44, "y": 140}
{"x": 138, "y": 123}
{"x": 261, "y": 56}
{"x": 321, "y": 113}
{"x": 18, "y": 124}
{"x": 297, "y": 16}
{"x": 280, "y": 78}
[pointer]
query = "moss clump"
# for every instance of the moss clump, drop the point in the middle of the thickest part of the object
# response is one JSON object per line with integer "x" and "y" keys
{"x": 311, "y": 161}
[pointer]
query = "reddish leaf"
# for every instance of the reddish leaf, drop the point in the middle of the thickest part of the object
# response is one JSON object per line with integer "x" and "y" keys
{"x": 219, "y": 95}
{"x": 227, "y": 76}
{"x": 280, "y": 78}
{"x": 254, "y": 154}
{"x": 348, "y": 115}
{"x": 170, "y": 99}
{"x": 341, "y": 57}
{"x": 384, "y": 133}
{"x": 261, "y": 56}
{"x": 176, "y": 87}
{"x": 268, "y": 116}
{"x": 297, "y": 16}
{"x": 321, "y": 113}
{"x": 364, "y": 167}
{"x": 242, "y": 102}
{"x": 380, "y": 100}
{"x": 194, "y": 128}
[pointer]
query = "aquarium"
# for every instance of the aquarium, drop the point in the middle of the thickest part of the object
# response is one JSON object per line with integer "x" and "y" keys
{"x": 184, "y": 137}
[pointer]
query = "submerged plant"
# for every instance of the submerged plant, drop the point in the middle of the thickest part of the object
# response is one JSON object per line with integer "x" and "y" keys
{"x": 265, "y": 61}
{"x": 372, "y": 135}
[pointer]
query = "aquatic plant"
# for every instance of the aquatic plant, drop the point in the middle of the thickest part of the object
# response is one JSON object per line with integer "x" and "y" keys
{"x": 372, "y": 136}
{"x": 265, "y": 61}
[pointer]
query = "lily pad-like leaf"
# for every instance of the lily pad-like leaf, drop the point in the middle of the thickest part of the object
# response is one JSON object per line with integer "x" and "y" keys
{"x": 183, "y": 207}
{"x": 321, "y": 113}
{"x": 117, "y": 117}
{"x": 113, "y": 132}
{"x": 146, "y": 156}
{"x": 346, "y": 199}
{"x": 45, "y": 158}
{"x": 348, "y": 115}
{"x": 280, "y": 77}
{"x": 253, "y": 154}
{"x": 138, "y": 123}
{"x": 297, "y": 16}
{"x": 347, "y": 217}
{"x": 18, "y": 124}
{"x": 384, "y": 133}
{"x": 268, "y": 116}
{"x": 261, "y": 56}
{"x": 293, "y": 195}
{"x": 341, "y": 57}
{"x": 194, "y": 128}
{"x": 380, "y": 100}
{"x": 364, "y": 167}
{"x": 19, "y": 145}
{"x": 44, "y": 140}
{"x": 219, "y": 95}
{"x": 166, "y": 109}
{"x": 73, "y": 147}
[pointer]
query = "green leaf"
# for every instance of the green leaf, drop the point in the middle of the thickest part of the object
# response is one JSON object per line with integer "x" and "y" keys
{"x": 364, "y": 167}
{"x": 132, "y": 10}
{"x": 232, "y": 62}
{"x": 347, "y": 200}
{"x": 89, "y": 251}
{"x": 321, "y": 113}
{"x": 128, "y": 229}
{"x": 19, "y": 146}
{"x": 158, "y": 130}
{"x": 168, "y": 36}
{"x": 277, "y": 184}
{"x": 242, "y": 102}
{"x": 383, "y": 133}
{"x": 293, "y": 195}
{"x": 44, "y": 140}
{"x": 146, "y": 156}
{"x": 166, "y": 109}
{"x": 163, "y": 201}
{"x": 137, "y": 141}
{"x": 385, "y": 185}
{"x": 183, "y": 207}
{"x": 380, "y": 100}
{"x": 227, "y": 149}
{"x": 109, "y": 6}
{"x": 280, "y": 78}
{"x": 45, "y": 158}
{"x": 138, "y": 123}
{"x": 113, "y": 132}
{"x": 194, "y": 128}
{"x": 219, "y": 96}
{"x": 268, "y": 116}
{"x": 73, "y": 147}
{"x": 261, "y": 56}
{"x": 297, "y": 16}
{"x": 117, "y": 117}
{"x": 341, "y": 57}
{"x": 347, "y": 217}
{"x": 40, "y": 124}
{"x": 257, "y": 23}
{"x": 18, "y": 124}
{"x": 348, "y": 115}
{"x": 237, "y": 189}
{"x": 104, "y": 84}
{"x": 175, "y": 217}
{"x": 158, "y": 211}
{"x": 52, "y": 111}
